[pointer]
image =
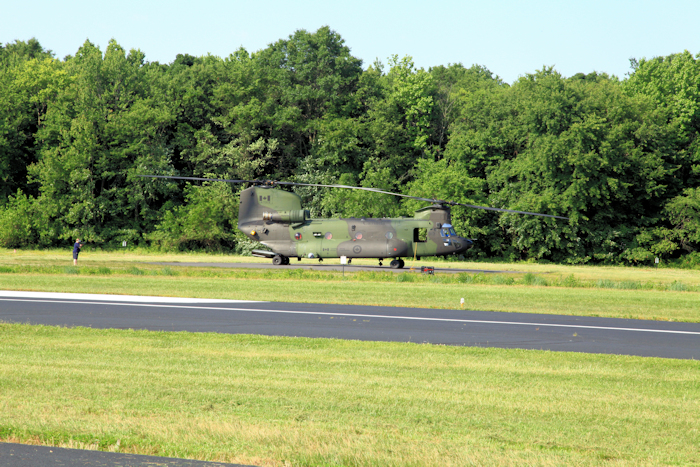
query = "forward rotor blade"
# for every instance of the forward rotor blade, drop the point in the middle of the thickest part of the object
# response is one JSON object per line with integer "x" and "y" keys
{"x": 439, "y": 201}
{"x": 508, "y": 210}
{"x": 430, "y": 200}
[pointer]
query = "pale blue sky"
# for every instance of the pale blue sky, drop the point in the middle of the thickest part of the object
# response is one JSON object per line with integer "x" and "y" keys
{"x": 509, "y": 37}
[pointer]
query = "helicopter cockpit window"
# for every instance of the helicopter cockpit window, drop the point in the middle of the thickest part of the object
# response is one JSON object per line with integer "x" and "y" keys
{"x": 447, "y": 231}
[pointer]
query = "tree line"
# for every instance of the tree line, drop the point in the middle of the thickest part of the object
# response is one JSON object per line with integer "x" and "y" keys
{"x": 619, "y": 157}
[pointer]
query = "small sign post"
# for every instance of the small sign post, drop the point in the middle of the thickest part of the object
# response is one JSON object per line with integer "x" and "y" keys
{"x": 343, "y": 261}
{"x": 656, "y": 262}
{"x": 124, "y": 243}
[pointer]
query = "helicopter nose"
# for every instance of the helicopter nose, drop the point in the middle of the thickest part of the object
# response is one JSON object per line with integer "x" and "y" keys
{"x": 462, "y": 244}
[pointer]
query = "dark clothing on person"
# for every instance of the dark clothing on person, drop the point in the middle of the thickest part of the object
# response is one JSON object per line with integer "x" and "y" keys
{"x": 76, "y": 249}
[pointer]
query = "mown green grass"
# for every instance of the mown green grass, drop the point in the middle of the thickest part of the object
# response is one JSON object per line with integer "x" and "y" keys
{"x": 120, "y": 260}
{"x": 282, "y": 273}
{"x": 268, "y": 401}
{"x": 613, "y": 303}
{"x": 277, "y": 401}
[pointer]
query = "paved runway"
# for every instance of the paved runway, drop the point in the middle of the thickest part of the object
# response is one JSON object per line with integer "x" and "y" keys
{"x": 316, "y": 266}
{"x": 20, "y": 455}
{"x": 449, "y": 327}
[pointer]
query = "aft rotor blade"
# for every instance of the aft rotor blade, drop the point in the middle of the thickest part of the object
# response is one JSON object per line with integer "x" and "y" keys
{"x": 374, "y": 190}
{"x": 274, "y": 182}
{"x": 199, "y": 179}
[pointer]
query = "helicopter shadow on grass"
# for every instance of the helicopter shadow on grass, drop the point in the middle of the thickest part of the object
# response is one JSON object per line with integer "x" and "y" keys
{"x": 331, "y": 267}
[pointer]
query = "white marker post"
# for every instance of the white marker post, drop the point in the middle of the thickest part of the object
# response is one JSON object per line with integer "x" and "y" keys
{"x": 656, "y": 262}
{"x": 461, "y": 303}
{"x": 343, "y": 261}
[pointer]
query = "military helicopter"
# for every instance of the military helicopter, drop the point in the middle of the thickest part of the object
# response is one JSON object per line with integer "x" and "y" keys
{"x": 276, "y": 219}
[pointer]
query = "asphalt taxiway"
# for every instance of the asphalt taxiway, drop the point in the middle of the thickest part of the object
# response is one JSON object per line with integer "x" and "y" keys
{"x": 21, "y": 455}
{"x": 368, "y": 323}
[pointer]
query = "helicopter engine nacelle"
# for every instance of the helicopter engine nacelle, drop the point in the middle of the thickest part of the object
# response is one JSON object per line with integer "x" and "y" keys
{"x": 298, "y": 215}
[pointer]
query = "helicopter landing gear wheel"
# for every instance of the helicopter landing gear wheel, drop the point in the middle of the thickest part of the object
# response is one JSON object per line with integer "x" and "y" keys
{"x": 380, "y": 261}
{"x": 401, "y": 264}
{"x": 285, "y": 260}
{"x": 278, "y": 260}
{"x": 396, "y": 264}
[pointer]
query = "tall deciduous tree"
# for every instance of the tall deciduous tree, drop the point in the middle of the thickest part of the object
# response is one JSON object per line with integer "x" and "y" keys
{"x": 621, "y": 158}
{"x": 102, "y": 126}
{"x": 29, "y": 80}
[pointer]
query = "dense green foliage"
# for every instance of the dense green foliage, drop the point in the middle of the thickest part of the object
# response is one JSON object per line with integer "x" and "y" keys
{"x": 621, "y": 158}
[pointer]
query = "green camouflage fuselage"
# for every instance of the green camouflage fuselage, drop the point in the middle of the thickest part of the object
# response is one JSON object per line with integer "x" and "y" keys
{"x": 276, "y": 219}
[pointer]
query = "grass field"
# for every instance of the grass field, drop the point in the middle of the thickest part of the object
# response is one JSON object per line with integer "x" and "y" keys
{"x": 658, "y": 294}
{"x": 292, "y": 401}
{"x": 282, "y": 401}
{"x": 127, "y": 259}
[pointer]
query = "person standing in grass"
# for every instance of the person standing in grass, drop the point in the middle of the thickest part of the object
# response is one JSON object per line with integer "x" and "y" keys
{"x": 76, "y": 249}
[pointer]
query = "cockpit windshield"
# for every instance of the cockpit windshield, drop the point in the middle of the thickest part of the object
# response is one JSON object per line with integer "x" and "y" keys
{"x": 448, "y": 231}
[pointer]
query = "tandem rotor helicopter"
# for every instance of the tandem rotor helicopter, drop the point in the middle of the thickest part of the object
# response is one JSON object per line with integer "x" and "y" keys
{"x": 276, "y": 219}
